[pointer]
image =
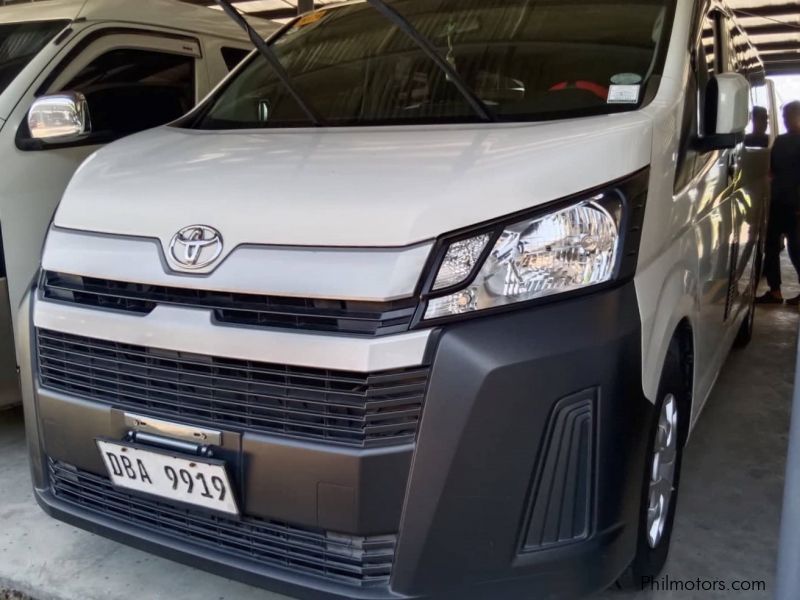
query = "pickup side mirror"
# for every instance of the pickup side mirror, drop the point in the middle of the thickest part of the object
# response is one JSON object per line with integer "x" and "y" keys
{"x": 726, "y": 112}
{"x": 60, "y": 119}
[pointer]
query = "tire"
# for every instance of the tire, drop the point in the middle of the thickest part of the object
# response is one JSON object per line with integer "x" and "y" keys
{"x": 745, "y": 334}
{"x": 653, "y": 541}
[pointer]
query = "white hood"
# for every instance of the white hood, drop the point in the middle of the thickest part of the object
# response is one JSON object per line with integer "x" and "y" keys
{"x": 354, "y": 187}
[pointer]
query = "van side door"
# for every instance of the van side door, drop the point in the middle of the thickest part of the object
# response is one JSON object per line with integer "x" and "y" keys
{"x": 702, "y": 183}
{"x": 134, "y": 79}
{"x": 749, "y": 166}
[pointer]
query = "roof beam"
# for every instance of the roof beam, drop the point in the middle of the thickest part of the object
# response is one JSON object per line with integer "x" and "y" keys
{"x": 772, "y": 46}
{"x": 781, "y": 57}
{"x": 786, "y": 68}
{"x": 283, "y": 13}
{"x": 773, "y": 28}
{"x": 290, "y": 8}
{"x": 774, "y": 10}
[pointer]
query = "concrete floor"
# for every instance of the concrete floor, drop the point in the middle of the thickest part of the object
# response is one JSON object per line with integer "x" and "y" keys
{"x": 726, "y": 527}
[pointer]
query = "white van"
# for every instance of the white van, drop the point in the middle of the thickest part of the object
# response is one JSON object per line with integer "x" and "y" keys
{"x": 433, "y": 320}
{"x": 138, "y": 64}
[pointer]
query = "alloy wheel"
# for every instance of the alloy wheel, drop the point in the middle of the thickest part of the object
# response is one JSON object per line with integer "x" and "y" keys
{"x": 662, "y": 472}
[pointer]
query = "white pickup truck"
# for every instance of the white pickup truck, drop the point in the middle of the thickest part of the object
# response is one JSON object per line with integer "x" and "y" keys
{"x": 138, "y": 65}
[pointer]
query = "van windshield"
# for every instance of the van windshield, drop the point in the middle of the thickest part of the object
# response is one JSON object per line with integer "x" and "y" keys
{"x": 20, "y": 42}
{"x": 525, "y": 59}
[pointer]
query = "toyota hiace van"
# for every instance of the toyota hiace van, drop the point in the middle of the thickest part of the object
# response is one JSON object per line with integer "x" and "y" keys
{"x": 428, "y": 311}
{"x": 136, "y": 65}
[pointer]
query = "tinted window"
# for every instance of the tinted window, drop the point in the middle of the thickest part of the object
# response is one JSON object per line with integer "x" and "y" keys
{"x": 709, "y": 60}
{"x": 233, "y": 56}
{"x": 705, "y": 62}
{"x": 132, "y": 90}
{"x": 20, "y": 42}
{"x": 526, "y": 59}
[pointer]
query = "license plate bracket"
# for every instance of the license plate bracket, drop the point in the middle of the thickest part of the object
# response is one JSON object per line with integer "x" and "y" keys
{"x": 199, "y": 483}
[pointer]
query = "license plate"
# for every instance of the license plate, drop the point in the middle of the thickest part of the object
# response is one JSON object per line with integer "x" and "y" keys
{"x": 190, "y": 481}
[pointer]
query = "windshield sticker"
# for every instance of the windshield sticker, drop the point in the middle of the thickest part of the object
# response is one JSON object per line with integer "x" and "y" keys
{"x": 623, "y": 94}
{"x": 626, "y": 79}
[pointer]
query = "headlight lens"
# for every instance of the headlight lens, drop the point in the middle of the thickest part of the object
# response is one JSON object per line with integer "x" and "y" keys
{"x": 562, "y": 251}
{"x": 460, "y": 261}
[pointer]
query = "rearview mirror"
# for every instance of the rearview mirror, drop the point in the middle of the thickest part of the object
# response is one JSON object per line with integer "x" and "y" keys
{"x": 726, "y": 113}
{"x": 60, "y": 118}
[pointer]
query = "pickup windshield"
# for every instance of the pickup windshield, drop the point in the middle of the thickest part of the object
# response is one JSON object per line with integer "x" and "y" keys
{"x": 524, "y": 59}
{"x": 20, "y": 42}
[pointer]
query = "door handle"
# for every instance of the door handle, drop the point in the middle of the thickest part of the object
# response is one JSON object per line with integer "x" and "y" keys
{"x": 733, "y": 165}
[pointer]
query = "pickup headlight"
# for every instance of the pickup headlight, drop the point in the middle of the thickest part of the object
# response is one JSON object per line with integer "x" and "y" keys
{"x": 576, "y": 245}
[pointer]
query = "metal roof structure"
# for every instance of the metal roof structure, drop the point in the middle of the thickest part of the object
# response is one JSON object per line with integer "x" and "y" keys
{"x": 275, "y": 10}
{"x": 774, "y": 28}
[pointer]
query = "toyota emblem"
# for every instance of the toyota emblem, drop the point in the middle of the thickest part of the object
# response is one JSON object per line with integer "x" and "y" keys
{"x": 196, "y": 246}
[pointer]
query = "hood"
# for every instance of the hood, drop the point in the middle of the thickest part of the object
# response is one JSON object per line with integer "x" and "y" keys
{"x": 354, "y": 187}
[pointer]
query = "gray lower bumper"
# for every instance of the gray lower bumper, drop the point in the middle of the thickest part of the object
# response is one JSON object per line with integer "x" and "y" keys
{"x": 532, "y": 404}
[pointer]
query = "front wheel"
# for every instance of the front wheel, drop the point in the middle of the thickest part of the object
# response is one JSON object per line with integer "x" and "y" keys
{"x": 661, "y": 480}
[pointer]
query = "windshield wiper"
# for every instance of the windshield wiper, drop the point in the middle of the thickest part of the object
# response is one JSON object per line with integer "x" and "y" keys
{"x": 429, "y": 49}
{"x": 273, "y": 60}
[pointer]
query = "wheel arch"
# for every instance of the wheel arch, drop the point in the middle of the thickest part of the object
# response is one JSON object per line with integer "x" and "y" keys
{"x": 683, "y": 338}
{"x": 672, "y": 306}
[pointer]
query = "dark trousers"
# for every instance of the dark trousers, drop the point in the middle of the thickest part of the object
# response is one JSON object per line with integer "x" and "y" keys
{"x": 784, "y": 222}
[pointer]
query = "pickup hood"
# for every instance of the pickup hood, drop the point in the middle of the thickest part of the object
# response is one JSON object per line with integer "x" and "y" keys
{"x": 354, "y": 187}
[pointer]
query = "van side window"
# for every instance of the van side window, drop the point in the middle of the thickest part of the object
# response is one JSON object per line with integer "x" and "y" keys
{"x": 131, "y": 90}
{"x": 705, "y": 64}
{"x": 233, "y": 56}
{"x": 709, "y": 61}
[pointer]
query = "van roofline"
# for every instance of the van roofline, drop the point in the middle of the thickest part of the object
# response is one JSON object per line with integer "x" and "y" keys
{"x": 183, "y": 16}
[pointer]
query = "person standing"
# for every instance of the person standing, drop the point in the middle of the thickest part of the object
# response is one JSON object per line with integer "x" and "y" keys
{"x": 759, "y": 138}
{"x": 784, "y": 220}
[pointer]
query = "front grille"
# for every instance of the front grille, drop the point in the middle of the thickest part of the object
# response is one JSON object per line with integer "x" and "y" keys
{"x": 335, "y": 316}
{"x": 357, "y": 409}
{"x": 353, "y": 560}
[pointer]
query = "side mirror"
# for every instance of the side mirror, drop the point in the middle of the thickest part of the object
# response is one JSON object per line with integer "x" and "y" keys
{"x": 727, "y": 112}
{"x": 60, "y": 119}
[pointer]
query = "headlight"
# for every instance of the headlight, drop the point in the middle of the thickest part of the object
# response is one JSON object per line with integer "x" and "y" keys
{"x": 571, "y": 247}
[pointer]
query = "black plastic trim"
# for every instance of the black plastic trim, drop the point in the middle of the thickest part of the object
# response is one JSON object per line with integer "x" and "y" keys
{"x": 3, "y": 271}
{"x": 360, "y": 410}
{"x": 279, "y": 580}
{"x": 495, "y": 384}
{"x": 561, "y": 509}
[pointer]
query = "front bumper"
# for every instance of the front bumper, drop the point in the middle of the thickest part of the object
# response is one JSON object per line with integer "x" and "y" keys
{"x": 524, "y": 481}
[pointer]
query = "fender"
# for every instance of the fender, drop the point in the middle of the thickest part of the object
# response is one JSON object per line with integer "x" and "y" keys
{"x": 662, "y": 309}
